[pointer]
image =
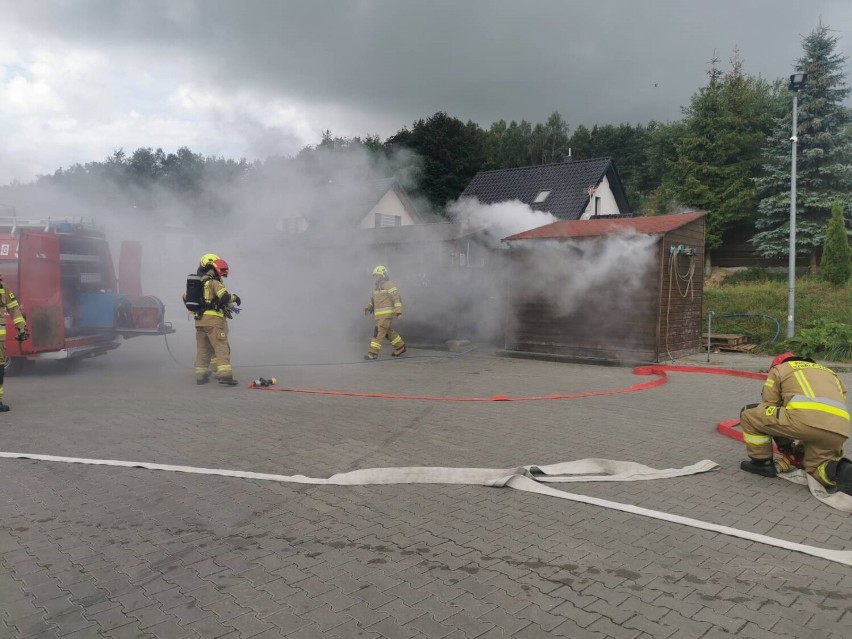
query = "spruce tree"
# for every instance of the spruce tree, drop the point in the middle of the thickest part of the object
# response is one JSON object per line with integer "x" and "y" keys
{"x": 836, "y": 265}
{"x": 720, "y": 151}
{"x": 824, "y": 163}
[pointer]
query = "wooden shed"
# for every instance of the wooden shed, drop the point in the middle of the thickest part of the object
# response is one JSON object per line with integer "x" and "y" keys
{"x": 612, "y": 290}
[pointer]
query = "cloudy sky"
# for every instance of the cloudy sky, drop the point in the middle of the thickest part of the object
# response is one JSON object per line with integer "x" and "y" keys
{"x": 252, "y": 78}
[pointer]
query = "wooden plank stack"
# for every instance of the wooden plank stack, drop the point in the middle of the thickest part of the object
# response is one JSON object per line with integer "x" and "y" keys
{"x": 728, "y": 342}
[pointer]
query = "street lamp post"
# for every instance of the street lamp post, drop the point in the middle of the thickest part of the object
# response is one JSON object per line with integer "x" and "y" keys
{"x": 797, "y": 81}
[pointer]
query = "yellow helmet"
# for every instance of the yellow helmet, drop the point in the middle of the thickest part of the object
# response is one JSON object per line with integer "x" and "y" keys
{"x": 209, "y": 258}
{"x": 380, "y": 271}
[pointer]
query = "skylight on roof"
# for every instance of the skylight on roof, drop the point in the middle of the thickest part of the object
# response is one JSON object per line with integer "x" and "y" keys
{"x": 541, "y": 197}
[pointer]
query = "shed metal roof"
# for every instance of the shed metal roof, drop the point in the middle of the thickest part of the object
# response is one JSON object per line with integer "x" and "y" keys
{"x": 651, "y": 225}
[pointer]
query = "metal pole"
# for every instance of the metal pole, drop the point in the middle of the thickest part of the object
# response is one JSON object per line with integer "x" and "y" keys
{"x": 709, "y": 332}
{"x": 791, "y": 278}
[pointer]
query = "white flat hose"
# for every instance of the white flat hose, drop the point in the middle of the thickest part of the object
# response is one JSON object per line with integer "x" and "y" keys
{"x": 525, "y": 478}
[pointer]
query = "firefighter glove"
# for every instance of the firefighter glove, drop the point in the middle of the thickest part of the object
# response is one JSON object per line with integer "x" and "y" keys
{"x": 23, "y": 334}
{"x": 237, "y": 300}
{"x": 368, "y": 310}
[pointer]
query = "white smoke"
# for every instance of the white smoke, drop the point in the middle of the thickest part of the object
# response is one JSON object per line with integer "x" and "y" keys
{"x": 498, "y": 220}
{"x": 567, "y": 273}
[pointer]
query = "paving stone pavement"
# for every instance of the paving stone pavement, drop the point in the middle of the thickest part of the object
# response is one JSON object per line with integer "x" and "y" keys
{"x": 88, "y": 551}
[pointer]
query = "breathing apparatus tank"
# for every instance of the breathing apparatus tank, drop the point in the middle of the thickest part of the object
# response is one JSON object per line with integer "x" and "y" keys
{"x": 194, "y": 298}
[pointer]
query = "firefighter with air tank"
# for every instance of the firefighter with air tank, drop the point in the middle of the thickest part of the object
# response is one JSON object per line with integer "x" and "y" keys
{"x": 385, "y": 305}
{"x": 804, "y": 402}
{"x": 212, "y": 304}
{"x": 9, "y": 304}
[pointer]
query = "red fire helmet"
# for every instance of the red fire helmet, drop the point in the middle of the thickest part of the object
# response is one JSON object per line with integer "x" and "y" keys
{"x": 221, "y": 267}
{"x": 780, "y": 359}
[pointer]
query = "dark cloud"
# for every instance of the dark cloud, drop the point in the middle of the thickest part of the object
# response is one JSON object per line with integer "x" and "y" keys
{"x": 389, "y": 62}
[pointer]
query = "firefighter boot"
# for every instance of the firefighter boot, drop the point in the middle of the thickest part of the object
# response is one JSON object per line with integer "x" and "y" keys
{"x": 399, "y": 354}
{"x": 228, "y": 381}
{"x": 203, "y": 379}
{"x": 4, "y": 408}
{"x": 842, "y": 471}
{"x": 370, "y": 357}
{"x": 764, "y": 467}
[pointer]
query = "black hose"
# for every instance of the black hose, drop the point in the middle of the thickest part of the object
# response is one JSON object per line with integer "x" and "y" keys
{"x": 769, "y": 317}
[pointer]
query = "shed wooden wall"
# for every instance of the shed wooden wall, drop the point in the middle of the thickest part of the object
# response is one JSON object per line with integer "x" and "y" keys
{"x": 681, "y": 302}
{"x": 601, "y": 326}
{"x": 644, "y": 325}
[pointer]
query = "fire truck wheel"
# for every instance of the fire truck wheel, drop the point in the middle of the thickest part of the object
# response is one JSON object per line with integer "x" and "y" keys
{"x": 17, "y": 365}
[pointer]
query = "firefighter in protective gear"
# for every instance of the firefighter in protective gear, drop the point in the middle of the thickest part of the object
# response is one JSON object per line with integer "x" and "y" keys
{"x": 211, "y": 324}
{"x": 9, "y": 304}
{"x": 806, "y": 402}
{"x": 385, "y": 305}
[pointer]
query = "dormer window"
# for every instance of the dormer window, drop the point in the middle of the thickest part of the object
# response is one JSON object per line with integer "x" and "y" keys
{"x": 541, "y": 197}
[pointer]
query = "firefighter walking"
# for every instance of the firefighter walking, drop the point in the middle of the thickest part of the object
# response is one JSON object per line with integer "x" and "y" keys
{"x": 9, "y": 304}
{"x": 805, "y": 402}
{"x": 385, "y": 305}
{"x": 212, "y": 304}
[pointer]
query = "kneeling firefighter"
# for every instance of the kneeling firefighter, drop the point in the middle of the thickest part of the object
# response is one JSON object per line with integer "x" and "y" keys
{"x": 9, "y": 304}
{"x": 212, "y": 305}
{"x": 385, "y": 305}
{"x": 805, "y": 402}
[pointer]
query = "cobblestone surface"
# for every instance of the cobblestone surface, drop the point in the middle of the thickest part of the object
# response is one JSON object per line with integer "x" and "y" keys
{"x": 88, "y": 551}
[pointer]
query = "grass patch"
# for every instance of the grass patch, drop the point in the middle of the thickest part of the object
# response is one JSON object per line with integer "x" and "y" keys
{"x": 823, "y": 312}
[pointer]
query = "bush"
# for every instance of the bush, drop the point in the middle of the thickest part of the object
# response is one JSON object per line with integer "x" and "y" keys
{"x": 826, "y": 339}
{"x": 836, "y": 264}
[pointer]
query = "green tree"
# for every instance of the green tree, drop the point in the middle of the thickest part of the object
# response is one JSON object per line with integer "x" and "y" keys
{"x": 549, "y": 141}
{"x": 836, "y": 264}
{"x": 720, "y": 152}
{"x": 581, "y": 142}
{"x": 449, "y": 153}
{"x": 495, "y": 138}
{"x": 824, "y": 164}
{"x": 659, "y": 154}
{"x": 514, "y": 148}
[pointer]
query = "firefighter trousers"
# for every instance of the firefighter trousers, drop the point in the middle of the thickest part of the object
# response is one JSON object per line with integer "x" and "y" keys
{"x": 211, "y": 343}
{"x": 763, "y": 421}
{"x": 384, "y": 329}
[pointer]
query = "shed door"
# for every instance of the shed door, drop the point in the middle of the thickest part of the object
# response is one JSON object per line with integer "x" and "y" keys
{"x": 40, "y": 292}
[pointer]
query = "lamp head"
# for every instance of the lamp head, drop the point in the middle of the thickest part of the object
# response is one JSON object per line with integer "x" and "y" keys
{"x": 797, "y": 81}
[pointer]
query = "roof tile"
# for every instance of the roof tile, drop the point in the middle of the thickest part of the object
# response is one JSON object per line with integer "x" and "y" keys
{"x": 568, "y": 183}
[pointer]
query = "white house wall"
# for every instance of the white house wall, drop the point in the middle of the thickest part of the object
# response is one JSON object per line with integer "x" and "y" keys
{"x": 389, "y": 204}
{"x": 608, "y": 205}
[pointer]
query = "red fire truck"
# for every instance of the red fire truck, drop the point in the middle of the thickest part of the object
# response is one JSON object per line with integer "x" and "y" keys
{"x": 65, "y": 280}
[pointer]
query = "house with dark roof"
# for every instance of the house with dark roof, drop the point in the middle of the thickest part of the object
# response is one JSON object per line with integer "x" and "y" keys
{"x": 569, "y": 190}
{"x": 613, "y": 290}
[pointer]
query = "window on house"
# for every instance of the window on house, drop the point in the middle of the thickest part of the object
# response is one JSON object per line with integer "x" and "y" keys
{"x": 388, "y": 220}
{"x": 597, "y": 205}
{"x": 541, "y": 197}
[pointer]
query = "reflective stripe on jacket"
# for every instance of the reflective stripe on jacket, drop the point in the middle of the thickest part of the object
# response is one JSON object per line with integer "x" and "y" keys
{"x": 811, "y": 395}
{"x": 9, "y": 302}
{"x": 386, "y": 299}
{"x": 216, "y": 297}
